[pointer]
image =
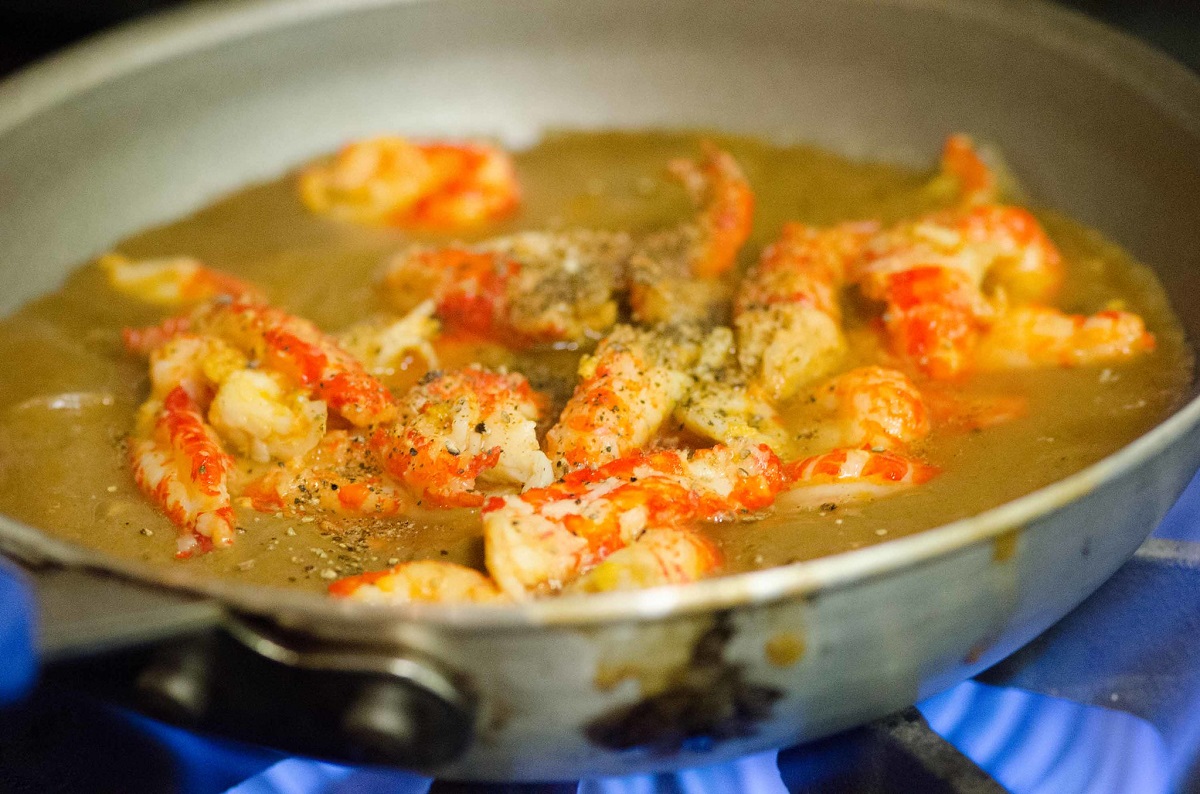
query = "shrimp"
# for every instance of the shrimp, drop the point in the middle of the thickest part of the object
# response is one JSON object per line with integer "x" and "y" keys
{"x": 674, "y": 274}
{"x": 734, "y": 479}
{"x": 718, "y": 186}
{"x": 292, "y": 346}
{"x": 254, "y": 410}
{"x": 868, "y": 408}
{"x": 201, "y": 394}
{"x": 935, "y": 318}
{"x": 198, "y": 364}
{"x": 469, "y": 287}
{"x": 257, "y": 411}
{"x": 177, "y": 455}
{"x": 382, "y": 344}
{"x": 976, "y": 181}
{"x": 723, "y": 405}
{"x": 460, "y": 427}
{"x": 529, "y": 288}
{"x": 788, "y": 313}
{"x": 1038, "y": 336}
{"x": 543, "y": 539}
{"x": 178, "y": 463}
{"x": 659, "y": 557}
{"x": 661, "y": 292}
{"x": 473, "y": 183}
{"x": 143, "y": 341}
{"x": 231, "y": 372}
{"x": 627, "y": 389}
{"x": 369, "y": 181}
{"x": 341, "y": 475}
{"x": 430, "y": 581}
{"x": 851, "y": 475}
{"x": 300, "y": 351}
{"x": 931, "y": 275}
{"x": 173, "y": 281}
{"x": 392, "y": 181}
{"x": 261, "y": 417}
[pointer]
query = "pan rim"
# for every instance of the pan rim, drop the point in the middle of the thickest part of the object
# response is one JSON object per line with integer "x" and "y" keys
{"x": 1149, "y": 73}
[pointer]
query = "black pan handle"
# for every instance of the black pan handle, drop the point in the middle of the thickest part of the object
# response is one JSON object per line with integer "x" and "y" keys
{"x": 188, "y": 660}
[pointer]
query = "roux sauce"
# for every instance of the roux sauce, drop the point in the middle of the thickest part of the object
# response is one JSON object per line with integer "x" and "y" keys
{"x": 70, "y": 392}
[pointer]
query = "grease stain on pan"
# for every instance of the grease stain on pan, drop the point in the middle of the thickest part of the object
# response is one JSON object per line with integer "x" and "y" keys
{"x": 651, "y": 679}
{"x": 784, "y": 649}
{"x": 648, "y": 658}
{"x": 1004, "y": 545}
{"x": 976, "y": 652}
{"x": 701, "y": 703}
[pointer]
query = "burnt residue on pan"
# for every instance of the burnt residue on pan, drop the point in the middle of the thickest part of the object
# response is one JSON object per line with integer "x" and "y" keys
{"x": 705, "y": 701}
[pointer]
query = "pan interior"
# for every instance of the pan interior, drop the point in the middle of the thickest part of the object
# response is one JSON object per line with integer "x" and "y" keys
{"x": 74, "y": 392}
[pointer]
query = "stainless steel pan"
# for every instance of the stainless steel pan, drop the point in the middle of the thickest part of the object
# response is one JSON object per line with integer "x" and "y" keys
{"x": 155, "y": 120}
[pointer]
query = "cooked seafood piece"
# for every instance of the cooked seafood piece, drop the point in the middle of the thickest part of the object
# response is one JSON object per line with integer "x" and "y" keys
{"x": 173, "y": 281}
{"x": 931, "y": 274}
{"x": 626, "y": 391}
{"x": 383, "y": 343}
{"x": 1040, "y": 336}
{"x": 659, "y": 557}
{"x": 540, "y": 541}
{"x": 868, "y": 407}
{"x": 460, "y": 427}
{"x": 431, "y": 581}
{"x": 392, "y": 181}
{"x": 723, "y": 405}
{"x": 529, "y": 288}
{"x": 851, "y": 475}
{"x": 788, "y": 311}
{"x": 674, "y": 275}
{"x": 179, "y": 464}
{"x": 340, "y": 476}
{"x": 239, "y": 377}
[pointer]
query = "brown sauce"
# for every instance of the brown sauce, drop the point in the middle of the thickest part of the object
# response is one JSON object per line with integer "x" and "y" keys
{"x": 70, "y": 393}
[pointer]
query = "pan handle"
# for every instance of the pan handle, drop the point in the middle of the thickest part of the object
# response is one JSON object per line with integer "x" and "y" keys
{"x": 83, "y": 612}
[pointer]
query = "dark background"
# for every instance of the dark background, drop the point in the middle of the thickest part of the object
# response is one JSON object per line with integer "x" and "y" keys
{"x": 32, "y": 28}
